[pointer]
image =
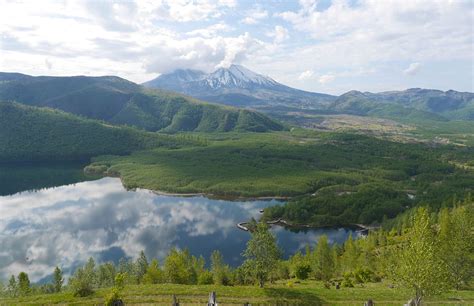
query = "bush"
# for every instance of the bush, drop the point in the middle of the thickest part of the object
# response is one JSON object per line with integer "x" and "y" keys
{"x": 205, "y": 278}
{"x": 347, "y": 281}
{"x": 302, "y": 271}
{"x": 82, "y": 283}
{"x": 364, "y": 275}
{"x": 112, "y": 297}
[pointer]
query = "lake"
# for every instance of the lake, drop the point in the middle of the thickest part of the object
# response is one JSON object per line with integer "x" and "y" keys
{"x": 66, "y": 224}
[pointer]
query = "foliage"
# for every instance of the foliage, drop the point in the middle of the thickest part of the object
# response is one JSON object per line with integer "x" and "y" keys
{"x": 419, "y": 265}
{"x": 153, "y": 274}
{"x": 262, "y": 253}
{"x": 121, "y": 102}
{"x": 302, "y": 271}
{"x": 335, "y": 179}
{"x": 84, "y": 280}
{"x": 12, "y": 288}
{"x": 58, "y": 279}
{"x": 361, "y": 266}
{"x": 178, "y": 268}
{"x": 40, "y": 134}
{"x": 323, "y": 266}
{"x": 23, "y": 284}
{"x": 206, "y": 278}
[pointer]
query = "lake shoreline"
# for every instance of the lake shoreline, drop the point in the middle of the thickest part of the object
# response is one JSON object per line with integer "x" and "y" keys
{"x": 360, "y": 228}
{"x": 210, "y": 196}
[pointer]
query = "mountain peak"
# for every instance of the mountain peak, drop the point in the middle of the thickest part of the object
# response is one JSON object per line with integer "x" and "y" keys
{"x": 237, "y": 76}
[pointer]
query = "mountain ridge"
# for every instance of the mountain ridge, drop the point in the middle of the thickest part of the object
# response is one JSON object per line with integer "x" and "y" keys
{"x": 121, "y": 102}
{"x": 239, "y": 86}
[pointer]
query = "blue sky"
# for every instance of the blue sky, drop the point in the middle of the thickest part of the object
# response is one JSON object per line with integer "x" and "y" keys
{"x": 330, "y": 46}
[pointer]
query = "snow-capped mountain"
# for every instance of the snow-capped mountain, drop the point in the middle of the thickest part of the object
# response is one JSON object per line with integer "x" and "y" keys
{"x": 237, "y": 76}
{"x": 239, "y": 86}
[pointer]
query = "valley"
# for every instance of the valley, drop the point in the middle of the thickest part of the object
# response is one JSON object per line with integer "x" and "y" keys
{"x": 162, "y": 171}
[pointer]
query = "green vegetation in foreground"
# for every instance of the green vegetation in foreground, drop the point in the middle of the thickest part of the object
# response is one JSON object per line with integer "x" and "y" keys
{"x": 308, "y": 292}
{"x": 335, "y": 178}
{"x": 41, "y": 134}
{"x": 424, "y": 256}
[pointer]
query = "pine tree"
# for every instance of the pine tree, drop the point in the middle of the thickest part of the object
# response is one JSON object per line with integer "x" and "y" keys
{"x": 58, "y": 279}
{"x": 12, "y": 287}
{"x": 141, "y": 266}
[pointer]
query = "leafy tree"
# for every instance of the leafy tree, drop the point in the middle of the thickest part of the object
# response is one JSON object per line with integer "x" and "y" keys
{"x": 457, "y": 243}
{"x": 58, "y": 279}
{"x": 23, "y": 284}
{"x": 418, "y": 265}
{"x": 350, "y": 255}
{"x": 262, "y": 253}
{"x": 218, "y": 269}
{"x": 153, "y": 274}
{"x": 178, "y": 268}
{"x": 106, "y": 275}
{"x": 323, "y": 263}
{"x": 205, "y": 278}
{"x": 84, "y": 279}
{"x": 12, "y": 287}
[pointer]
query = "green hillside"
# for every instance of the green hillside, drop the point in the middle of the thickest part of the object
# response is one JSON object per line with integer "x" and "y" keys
{"x": 121, "y": 102}
{"x": 415, "y": 104}
{"x": 30, "y": 133}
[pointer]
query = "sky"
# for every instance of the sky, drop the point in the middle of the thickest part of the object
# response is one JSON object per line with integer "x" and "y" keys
{"x": 329, "y": 46}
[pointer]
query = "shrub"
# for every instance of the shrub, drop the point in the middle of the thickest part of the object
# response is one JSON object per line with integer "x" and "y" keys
{"x": 302, "y": 271}
{"x": 205, "y": 278}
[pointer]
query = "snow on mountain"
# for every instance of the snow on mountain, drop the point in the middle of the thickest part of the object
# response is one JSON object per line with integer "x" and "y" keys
{"x": 237, "y": 76}
{"x": 238, "y": 86}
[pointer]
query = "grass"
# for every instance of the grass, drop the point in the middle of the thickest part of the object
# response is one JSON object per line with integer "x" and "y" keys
{"x": 304, "y": 293}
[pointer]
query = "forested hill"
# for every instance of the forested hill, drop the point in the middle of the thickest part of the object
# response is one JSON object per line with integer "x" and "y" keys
{"x": 121, "y": 102}
{"x": 30, "y": 133}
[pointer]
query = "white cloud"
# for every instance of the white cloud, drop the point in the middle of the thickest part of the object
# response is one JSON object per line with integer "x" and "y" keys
{"x": 254, "y": 16}
{"x": 388, "y": 30}
{"x": 305, "y": 75}
{"x": 138, "y": 39}
{"x": 412, "y": 69}
{"x": 326, "y": 78}
{"x": 279, "y": 34}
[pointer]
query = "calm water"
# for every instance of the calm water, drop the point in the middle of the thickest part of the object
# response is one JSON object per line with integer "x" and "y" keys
{"x": 66, "y": 225}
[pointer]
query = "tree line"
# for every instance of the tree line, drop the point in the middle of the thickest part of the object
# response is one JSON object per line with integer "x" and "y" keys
{"x": 427, "y": 252}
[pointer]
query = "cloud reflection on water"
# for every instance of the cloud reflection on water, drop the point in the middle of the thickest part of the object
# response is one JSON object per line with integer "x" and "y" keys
{"x": 66, "y": 225}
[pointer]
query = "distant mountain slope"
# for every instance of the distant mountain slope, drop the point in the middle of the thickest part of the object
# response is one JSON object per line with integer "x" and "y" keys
{"x": 411, "y": 103}
{"x": 239, "y": 86}
{"x": 30, "y": 133}
{"x": 119, "y": 101}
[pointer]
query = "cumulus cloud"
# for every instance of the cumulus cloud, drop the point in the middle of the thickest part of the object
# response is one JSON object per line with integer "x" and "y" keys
{"x": 412, "y": 69}
{"x": 254, "y": 16}
{"x": 279, "y": 34}
{"x": 139, "y": 39}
